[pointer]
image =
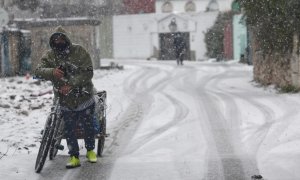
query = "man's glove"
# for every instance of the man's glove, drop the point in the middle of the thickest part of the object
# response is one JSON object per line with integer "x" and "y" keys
{"x": 58, "y": 73}
{"x": 65, "y": 89}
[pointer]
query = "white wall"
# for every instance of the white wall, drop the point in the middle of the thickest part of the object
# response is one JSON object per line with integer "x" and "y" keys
{"x": 132, "y": 36}
{"x": 225, "y": 5}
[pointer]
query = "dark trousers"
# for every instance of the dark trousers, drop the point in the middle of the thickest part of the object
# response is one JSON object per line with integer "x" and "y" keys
{"x": 179, "y": 58}
{"x": 84, "y": 118}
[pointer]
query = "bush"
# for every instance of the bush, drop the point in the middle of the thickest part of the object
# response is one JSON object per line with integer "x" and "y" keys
{"x": 215, "y": 35}
{"x": 289, "y": 89}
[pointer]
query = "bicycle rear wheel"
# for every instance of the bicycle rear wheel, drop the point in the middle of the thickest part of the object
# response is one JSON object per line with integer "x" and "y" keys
{"x": 45, "y": 144}
{"x": 101, "y": 139}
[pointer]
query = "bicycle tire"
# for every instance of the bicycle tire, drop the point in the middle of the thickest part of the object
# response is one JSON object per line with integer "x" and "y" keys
{"x": 56, "y": 140}
{"x": 101, "y": 139}
{"x": 45, "y": 144}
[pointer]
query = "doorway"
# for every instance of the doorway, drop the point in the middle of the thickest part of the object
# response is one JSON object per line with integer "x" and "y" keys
{"x": 169, "y": 45}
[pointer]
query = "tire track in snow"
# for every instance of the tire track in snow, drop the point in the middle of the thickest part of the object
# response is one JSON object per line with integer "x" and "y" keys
{"x": 181, "y": 112}
{"x": 235, "y": 162}
{"x": 145, "y": 94}
{"x": 223, "y": 161}
{"x": 259, "y": 132}
{"x": 124, "y": 132}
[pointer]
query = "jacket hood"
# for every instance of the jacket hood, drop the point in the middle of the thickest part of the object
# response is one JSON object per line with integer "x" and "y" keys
{"x": 62, "y": 32}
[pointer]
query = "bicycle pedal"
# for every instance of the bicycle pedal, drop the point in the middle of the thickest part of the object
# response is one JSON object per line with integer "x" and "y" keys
{"x": 60, "y": 147}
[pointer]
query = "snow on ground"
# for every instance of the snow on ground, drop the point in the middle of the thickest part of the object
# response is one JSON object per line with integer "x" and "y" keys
{"x": 23, "y": 114}
{"x": 268, "y": 122}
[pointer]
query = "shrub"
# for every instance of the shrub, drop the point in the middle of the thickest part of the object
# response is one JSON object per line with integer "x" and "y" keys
{"x": 215, "y": 35}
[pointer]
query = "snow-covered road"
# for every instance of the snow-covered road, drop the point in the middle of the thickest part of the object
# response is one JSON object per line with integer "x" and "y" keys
{"x": 199, "y": 121}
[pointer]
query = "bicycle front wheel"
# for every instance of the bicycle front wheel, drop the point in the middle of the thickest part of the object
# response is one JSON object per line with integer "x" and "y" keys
{"x": 45, "y": 144}
{"x": 57, "y": 137}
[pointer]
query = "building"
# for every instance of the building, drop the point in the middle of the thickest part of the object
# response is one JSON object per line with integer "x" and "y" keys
{"x": 182, "y": 6}
{"x": 139, "y": 7}
{"x": 83, "y": 31}
{"x": 26, "y": 37}
{"x": 144, "y": 36}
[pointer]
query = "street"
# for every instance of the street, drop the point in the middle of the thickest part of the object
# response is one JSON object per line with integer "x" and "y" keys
{"x": 202, "y": 120}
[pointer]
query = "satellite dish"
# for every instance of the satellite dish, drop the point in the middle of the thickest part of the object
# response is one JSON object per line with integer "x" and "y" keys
{"x": 4, "y": 18}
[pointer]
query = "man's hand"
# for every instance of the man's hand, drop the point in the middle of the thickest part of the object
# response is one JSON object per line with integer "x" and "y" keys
{"x": 58, "y": 73}
{"x": 65, "y": 89}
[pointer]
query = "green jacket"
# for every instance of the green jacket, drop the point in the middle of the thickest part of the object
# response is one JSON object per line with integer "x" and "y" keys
{"x": 80, "y": 66}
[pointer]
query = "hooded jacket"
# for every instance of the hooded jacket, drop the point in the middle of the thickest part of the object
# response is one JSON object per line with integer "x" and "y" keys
{"x": 80, "y": 73}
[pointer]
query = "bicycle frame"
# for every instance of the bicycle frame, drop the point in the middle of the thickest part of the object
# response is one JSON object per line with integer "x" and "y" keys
{"x": 54, "y": 131}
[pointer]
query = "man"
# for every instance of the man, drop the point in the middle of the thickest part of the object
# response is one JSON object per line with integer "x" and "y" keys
{"x": 70, "y": 69}
{"x": 180, "y": 48}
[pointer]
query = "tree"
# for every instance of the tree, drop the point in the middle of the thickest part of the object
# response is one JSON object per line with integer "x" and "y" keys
{"x": 27, "y": 4}
{"x": 215, "y": 35}
{"x": 274, "y": 22}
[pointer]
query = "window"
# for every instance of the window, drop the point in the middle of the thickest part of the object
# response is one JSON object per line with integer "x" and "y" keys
{"x": 190, "y": 7}
{"x": 167, "y": 7}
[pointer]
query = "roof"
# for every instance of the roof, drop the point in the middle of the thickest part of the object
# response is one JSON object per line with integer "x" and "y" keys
{"x": 174, "y": 15}
{"x": 37, "y": 22}
{"x": 181, "y": 0}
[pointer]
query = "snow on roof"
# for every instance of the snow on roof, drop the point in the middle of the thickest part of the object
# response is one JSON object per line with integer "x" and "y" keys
{"x": 25, "y": 31}
{"x": 10, "y": 29}
{"x": 37, "y": 22}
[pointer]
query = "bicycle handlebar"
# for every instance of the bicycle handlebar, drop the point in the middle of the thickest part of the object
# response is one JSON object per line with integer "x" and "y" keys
{"x": 77, "y": 91}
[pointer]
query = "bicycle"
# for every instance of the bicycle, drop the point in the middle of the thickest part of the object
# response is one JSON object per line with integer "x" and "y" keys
{"x": 53, "y": 131}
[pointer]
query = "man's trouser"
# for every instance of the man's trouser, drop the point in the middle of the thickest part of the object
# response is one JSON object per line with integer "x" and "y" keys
{"x": 82, "y": 118}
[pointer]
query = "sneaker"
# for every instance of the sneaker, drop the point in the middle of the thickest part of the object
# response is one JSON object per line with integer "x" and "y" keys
{"x": 73, "y": 162}
{"x": 91, "y": 155}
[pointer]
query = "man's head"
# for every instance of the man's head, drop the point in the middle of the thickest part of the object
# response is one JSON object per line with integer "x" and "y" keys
{"x": 59, "y": 41}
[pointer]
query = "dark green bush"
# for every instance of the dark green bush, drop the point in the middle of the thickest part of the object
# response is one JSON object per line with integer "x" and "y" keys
{"x": 215, "y": 35}
{"x": 289, "y": 89}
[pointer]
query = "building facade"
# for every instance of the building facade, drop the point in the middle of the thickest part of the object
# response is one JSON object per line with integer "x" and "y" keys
{"x": 145, "y": 36}
{"x": 186, "y": 6}
{"x": 83, "y": 31}
{"x": 139, "y": 7}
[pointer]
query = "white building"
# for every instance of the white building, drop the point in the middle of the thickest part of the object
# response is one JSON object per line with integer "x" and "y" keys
{"x": 151, "y": 35}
